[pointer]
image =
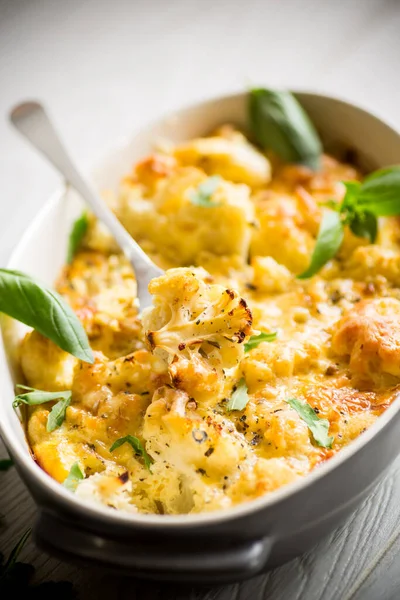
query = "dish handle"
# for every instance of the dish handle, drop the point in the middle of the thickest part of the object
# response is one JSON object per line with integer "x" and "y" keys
{"x": 153, "y": 557}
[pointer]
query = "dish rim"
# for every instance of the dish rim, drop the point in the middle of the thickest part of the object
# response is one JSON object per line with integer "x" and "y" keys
{"x": 36, "y": 474}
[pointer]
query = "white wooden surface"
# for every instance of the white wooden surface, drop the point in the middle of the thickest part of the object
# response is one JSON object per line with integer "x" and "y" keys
{"x": 104, "y": 68}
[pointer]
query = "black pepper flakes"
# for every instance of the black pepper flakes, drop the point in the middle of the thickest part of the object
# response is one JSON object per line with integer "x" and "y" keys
{"x": 209, "y": 451}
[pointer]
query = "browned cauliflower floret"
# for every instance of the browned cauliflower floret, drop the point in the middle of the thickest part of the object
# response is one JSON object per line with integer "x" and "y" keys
{"x": 369, "y": 334}
{"x": 189, "y": 312}
{"x": 233, "y": 158}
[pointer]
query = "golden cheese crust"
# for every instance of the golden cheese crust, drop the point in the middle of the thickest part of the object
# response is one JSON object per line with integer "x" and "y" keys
{"x": 232, "y": 266}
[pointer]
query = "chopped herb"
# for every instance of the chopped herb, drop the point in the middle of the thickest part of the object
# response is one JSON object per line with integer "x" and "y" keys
{"x": 257, "y": 339}
{"x": 318, "y": 427}
{"x": 33, "y": 397}
{"x": 137, "y": 447}
{"x": 79, "y": 228}
{"x": 74, "y": 478}
{"x": 239, "y": 398}
{"x": 37, "y": 306}
{"x": 202, "y": 196}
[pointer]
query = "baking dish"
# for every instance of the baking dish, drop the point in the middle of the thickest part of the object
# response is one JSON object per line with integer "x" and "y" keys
{"x": 221, "y": 546}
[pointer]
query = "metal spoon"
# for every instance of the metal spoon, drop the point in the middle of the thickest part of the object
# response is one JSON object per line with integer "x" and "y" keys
{"x": 31, "y": 120}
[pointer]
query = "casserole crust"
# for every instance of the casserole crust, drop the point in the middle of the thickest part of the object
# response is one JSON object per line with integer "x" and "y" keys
{"x": 233, "y": 267}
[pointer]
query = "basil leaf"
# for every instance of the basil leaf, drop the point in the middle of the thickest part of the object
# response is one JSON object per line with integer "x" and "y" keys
{"x": 239, "y": 398}
{"x": 34, "y": 397}
{"x": 257, "y": 339}
{"x": 279, "y": 123}
{"x": 365, "y": 225}
{"x": 79, "y": 228}
{"x": 329, "y": 240}
{"x": 15, "y": 552}
{"x": 136, "y": 445}
{"x": 202, "y": 196}
{"x": 318, "y": 427}
{"x": 24, "y": 299}
{"x": 380, "y": 193}
{"x": 75, "y": 476}
{"x": 5, "y": 464}
{"x": 57, "y": 414}
{"x": 350, "y": 198}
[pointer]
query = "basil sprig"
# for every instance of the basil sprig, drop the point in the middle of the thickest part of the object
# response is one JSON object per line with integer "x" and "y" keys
{"x": 30, "y": 302}
{"x": 239, "y": 398}
{"x": 74, "y": 478}
{"x": 255, "y": 340}
{"x": 34, "y": 397}
{"x": 318, "y": 427}
{"x": 363, "y": 203}
{"x": 202, "y": 195}
{"x": 279, "y": 123}
{"x": 79, "y": 228}
{"x": 137, "y": 447}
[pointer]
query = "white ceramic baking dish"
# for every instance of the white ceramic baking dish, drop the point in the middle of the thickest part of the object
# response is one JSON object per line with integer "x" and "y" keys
{"x": 218, "y": 546}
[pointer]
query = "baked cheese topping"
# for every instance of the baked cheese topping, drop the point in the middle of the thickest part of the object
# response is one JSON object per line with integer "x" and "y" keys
{"x": 212, "y": 412}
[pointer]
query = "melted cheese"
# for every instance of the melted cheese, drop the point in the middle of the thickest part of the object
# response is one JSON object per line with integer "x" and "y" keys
{"x": 337, "y": 346}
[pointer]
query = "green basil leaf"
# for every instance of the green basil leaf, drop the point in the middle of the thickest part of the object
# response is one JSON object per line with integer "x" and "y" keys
{"x": 34, "y": 397}
{"x": 75, "y": 476}
{"x": 350, "y": 198}
{"x": 24, "y": 299}
{"x": 5, "y": 464}
{"x": 137, "y": 447}
{"x": 239, "y": 398}
{"x": 329, "y": 240}
{"x": 15, "y": 552}
{"x": 379, "y": 194}
{"x": 202, "y": 196}
{"x": 318, "y": 427}
{"x": 257, "y": 339}
{"x": 364, "y": 225}
{"x": 79, "y": 228}
{"x": 279, "y": 123}
{"x": 57, "y": 414}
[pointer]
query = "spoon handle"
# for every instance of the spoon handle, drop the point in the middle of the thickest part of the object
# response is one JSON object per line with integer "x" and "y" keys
{"x": 33, "y": 123}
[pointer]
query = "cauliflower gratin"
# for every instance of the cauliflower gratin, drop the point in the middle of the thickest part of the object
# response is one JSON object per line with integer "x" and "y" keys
{"x": 242, "y": 377}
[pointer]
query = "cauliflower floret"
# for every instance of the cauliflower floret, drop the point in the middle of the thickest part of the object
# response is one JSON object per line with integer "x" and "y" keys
{"x": 170, "y": 224}
{"x": 45, "y": 365}
{"x": 269, "y": 276}
{"x": 369, "y": 334}
{"x": 283, "y": 232}
{"x": 177, "y": 433}
{"x": 109, "y": 489}
{"x": 234, "y": 159}
{"x": 189, "y": 313}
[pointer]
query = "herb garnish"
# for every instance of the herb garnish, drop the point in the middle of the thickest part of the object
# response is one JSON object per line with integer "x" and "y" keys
{"x": 255, "y": 340}
{"x": 12, "y": 559}
{"x": 137, "y": 447}
{"x": 5, "y": 464}
{"x": 74, "y": 478}
{"x": 239, "y": 398}
{"x": 279, "y": 123}
{"x": 33, "y": 397}
{"x": 24, "y": 299}
{"x": 377, "y": 196}
{"x": 202, "y": 196}
{"x": 318, "y": 427}
{"x": 79, "y": 228}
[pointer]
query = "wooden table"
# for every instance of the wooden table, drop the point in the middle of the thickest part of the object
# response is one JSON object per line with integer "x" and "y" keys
{"x": 104, "y": 68}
